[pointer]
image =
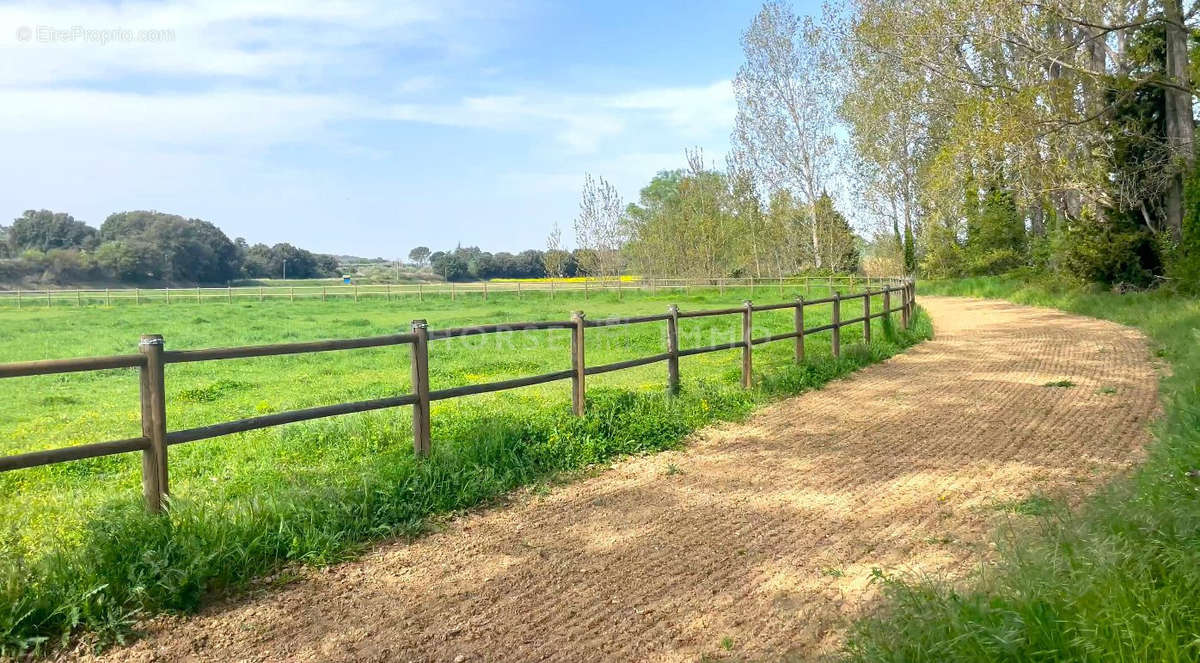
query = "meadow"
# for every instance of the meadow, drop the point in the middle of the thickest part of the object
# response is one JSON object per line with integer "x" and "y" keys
{"x": 79, "y": 554}
{"x": 1115, "y": 580}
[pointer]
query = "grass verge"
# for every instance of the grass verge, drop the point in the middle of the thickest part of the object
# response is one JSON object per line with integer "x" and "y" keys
{"x": 1116, "y": 580}
{"x": 128, "y": 565}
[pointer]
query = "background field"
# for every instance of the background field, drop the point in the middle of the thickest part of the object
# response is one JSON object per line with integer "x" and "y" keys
{"x": 313, "y": 491}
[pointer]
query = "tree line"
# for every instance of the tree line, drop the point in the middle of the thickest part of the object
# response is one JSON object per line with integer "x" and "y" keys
{"x": 967, "y": 136}
{"x": 1051, "y": 135}
{"x": 144, "y": 246}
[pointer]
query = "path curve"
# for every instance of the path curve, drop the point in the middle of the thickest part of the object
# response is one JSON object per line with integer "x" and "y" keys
{"x": 757, "y": 541}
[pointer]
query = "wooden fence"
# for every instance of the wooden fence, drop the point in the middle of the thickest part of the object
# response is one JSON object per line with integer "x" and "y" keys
{"x": 152, "y": 357}
{"x": 479, "y": 289}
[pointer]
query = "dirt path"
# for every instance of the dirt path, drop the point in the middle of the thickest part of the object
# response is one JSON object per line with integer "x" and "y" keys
{"x": 757, "y": 541}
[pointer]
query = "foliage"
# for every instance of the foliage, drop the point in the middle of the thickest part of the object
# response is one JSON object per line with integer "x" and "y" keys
{"x": 43, "y": 230}
{"x": 472, "y": 263}
{"x": 1107, "y": 251}
{"x": 283, "y": 260}
{"x": 787, "y": 92}
{"x": 995, "y": 232}
{"x": 1079, "y": 113}
{"x": 730, "y": 232}
{"x": 419, "y": 255}
{"x": 142, "y": 246}
{"x": 600, "y": 229}
{"x": 1113, "y": 581}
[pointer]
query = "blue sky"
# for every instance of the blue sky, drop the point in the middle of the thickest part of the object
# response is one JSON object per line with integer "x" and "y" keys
{"x": 364, "y": 128}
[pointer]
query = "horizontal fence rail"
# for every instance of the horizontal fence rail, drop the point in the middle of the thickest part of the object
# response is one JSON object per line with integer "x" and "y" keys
{"x": 45, "y": 297}
{"x": 152, "y": 359}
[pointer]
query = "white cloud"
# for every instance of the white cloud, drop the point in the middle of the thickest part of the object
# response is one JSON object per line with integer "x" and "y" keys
{"x": 220, "y": 120}
{"x": 231, "y": 38}
{"x": 582, "y": 122}
{"x": 697, "y": 110}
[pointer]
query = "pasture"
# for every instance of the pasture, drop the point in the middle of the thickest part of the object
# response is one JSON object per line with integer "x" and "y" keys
{"x": 77, "y": 551}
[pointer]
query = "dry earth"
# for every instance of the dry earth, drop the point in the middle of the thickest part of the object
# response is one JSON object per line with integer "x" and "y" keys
{"x": 754, "y": 543}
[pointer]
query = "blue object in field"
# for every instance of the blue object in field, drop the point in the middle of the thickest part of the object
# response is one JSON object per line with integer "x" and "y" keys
{"x": 346, "y": 280}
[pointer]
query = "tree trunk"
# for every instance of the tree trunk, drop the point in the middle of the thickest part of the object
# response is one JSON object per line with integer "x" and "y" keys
{"x": 1180, "y": 124}
{"x": 1037, "y": 220}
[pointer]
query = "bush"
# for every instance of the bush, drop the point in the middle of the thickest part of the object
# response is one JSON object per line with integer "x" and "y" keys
{"x": 1109, "y": 250}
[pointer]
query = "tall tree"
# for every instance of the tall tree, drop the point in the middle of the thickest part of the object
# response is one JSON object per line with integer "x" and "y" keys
{"x": 554, "y": 260}
{"x": 787, "y": 93}
{"x": 600, "y": 228}
{"x": 419, "y": 255}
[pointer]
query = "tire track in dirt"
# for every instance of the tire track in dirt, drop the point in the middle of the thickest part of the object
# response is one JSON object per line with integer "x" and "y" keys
{"x": 761, "y": 546}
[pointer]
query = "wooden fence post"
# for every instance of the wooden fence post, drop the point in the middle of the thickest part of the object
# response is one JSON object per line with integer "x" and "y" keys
{"x": 260, "y": 293}
{"x": 867, "y": 317}
{"x": 292, "y": 294}
{"x": 48, "y": 304}
{"x": 837, "y": 324}
{"x": 799, "y": 330}
{"x": 137, "y": 295}
{"x": 229, "y": 294}
{"x": 673, "y": 350}
{"x": 107, "y": 298}
{"x": 356, "y": 292}
{"x": 912, "y": 298}
{"x": 420, "y": 293}
{"x": 578, "y": 384}
{"x": 422, "y": 441}
{"x": 197, "y": 294}
{"x": 154, "y": 423}
{"x": 18, "y": 298}
{"x": 747, "y": 347}
{"x": 453, "y": 294}
{"x": 518, "y": 290}
{"x": 167, "y": 291}
{"x": 904, "y": 305}
{"x": 485, "y": 291}
{"x": 887, "y": 304}
{"x": 322, "y": 293}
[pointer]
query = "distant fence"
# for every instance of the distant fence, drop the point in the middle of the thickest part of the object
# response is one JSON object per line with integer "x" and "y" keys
{"x": 152, "y": 358}
{"x": 479, "y": 289}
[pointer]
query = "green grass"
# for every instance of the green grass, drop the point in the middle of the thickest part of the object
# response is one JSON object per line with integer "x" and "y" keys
{"x": 1116, "y": 580}
{"x": 1063, "y": 384}
{"x": 79, "y": 555}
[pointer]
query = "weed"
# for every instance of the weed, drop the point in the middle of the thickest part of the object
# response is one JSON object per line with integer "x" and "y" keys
{"x": 1034, "y": 505}
{"x": 1060, "y": 383}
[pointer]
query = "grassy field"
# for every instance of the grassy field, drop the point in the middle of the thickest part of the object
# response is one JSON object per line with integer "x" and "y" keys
{"x": 77, "y": 553}
{"x": 1114, "y": 581}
